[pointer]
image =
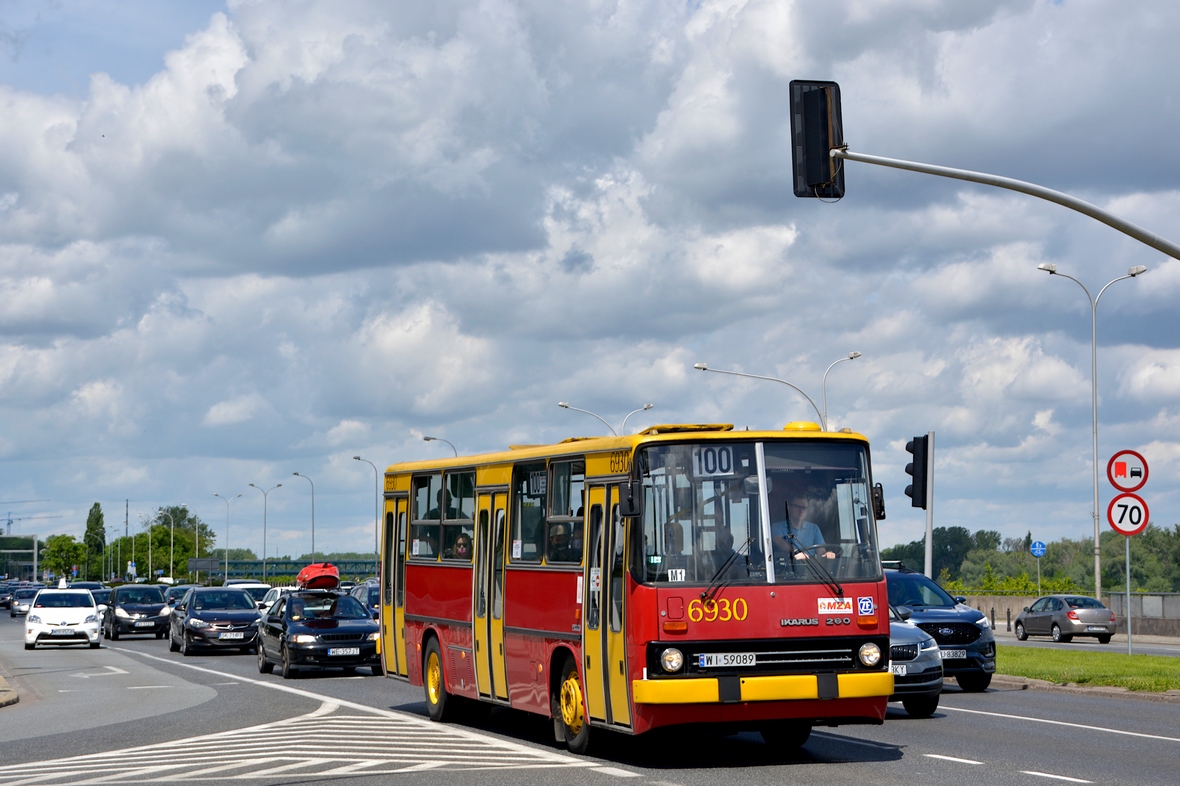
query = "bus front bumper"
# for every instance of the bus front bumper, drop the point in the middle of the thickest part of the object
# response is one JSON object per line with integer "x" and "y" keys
{"x": 790, "y": 687}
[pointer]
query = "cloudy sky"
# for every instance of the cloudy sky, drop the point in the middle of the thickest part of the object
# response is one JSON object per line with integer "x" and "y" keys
{"x": 240, "y": 240}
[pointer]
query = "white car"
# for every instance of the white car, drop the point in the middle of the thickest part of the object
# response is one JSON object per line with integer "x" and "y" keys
{"x": 255, "y": 589}
{"x": 271, "y": 596}
{"x": 63, "y": 616}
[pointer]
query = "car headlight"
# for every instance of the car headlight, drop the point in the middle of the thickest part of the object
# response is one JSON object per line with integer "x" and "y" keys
{"x": 164, "y": 612}
{"x": 870, "y": 654}
{"x": 34, "y": 619}
{"x": 983, "y": 622}
{"x": 120, "y": 612}
{"x": 375, "y": 635}
{"x": 303, "y": 638}
{"x": 671, "y": 659}
{"x": 92, "y": 620}
{"x": 929, "y": 644}
{"x": 197, "y": 623}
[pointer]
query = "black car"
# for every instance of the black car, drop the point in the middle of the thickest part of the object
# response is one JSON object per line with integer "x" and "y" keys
{"x": 135, "y": 609}
{"x": 6, "y": 589}
{"x": 174, "y": 594}
{"x": 317, "y": 629}
{"x": 369, "y": 594}
{"x": 101, "y": 596}
{"x": 964, "y": 635}
{"x": 214, "y": 617}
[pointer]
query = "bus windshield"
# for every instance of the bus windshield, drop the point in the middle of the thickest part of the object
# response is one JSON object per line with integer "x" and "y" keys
{"x": 757, "y": 512}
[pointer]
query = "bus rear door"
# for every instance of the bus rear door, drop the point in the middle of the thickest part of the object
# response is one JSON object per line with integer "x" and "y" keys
{"x": 603, "y": 637}
{"x": 401, "y": 516}
{"x": 488, "y": 598}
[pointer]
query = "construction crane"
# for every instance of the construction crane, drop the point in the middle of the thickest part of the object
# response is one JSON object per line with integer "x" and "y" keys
{"x": 10, "y": 519}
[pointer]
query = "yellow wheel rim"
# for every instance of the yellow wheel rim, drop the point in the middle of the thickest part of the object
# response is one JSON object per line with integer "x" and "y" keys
{"x": 571, "y": 704}
{"x": 433, "y": 678}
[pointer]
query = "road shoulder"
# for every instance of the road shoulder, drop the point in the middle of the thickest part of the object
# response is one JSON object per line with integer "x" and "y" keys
{"x": 7, "y": 694}
{"x": 1006, "y": 682}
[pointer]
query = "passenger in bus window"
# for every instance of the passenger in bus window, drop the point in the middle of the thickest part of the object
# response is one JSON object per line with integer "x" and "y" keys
{"x": 559, "y": 543}
{"x": 805, "y": 534}
{"x": 462, "y": 547}
{"x": 443, "y": 508}
{"x": 722, "y": 564}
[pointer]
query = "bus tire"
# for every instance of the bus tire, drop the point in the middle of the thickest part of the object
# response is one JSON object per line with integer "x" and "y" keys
{"x": 571, "y": 703}
{"x": 439, "y": 703}
{"x": 786, "y": 736}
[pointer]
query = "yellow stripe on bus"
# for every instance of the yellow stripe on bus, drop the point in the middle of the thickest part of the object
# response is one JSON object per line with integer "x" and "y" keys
{"x": 792, "y": 687}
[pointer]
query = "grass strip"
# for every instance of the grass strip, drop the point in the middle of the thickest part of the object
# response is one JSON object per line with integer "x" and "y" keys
{"x": 1134, "y": 672}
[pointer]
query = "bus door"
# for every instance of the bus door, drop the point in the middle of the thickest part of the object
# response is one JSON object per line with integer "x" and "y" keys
{"x": 488, "y": 597}
{"x": 613, "y": 612}
{"x": 401, "y": 517}
{"x": 593, "y": 650}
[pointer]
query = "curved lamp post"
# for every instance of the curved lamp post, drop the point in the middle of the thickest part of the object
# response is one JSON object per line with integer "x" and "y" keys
{"x": 305, "y": 477}
{"x": 565, "y": 405}
{"x": 377, "y": 509}
{"x": 824, "y": 387}
{"x": 705, "y": 367}
{"x": 226, "y": 500}
{"x": 264, "y": 493}
{"x": 644, "y": 408}
{"x": 1132, "y": 272}
{"x": 440, "y": 439}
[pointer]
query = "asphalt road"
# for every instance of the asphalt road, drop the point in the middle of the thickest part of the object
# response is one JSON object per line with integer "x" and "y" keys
{"x": 131, "y": 712}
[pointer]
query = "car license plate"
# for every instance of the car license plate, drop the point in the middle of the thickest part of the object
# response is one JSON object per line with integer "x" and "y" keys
{"x": 952, "y": 654}
{"x": 898, "y": 669}
{"x": 61, "y": 632}
{"x": 145, "y": 624}
{"x": 237, "y": 635}
{"x": 1097, "y": 628}
{"x": 722, "y": 660}
{"x": 344, "y": 651}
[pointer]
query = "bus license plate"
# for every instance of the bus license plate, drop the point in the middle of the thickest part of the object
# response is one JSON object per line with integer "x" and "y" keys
{"x": 898, "y": 669}
{"x": 236, "y": 635}
{"x": 344, "y": 651}
{"x": 952, "y": 654}
{"x": 723, "y": 660}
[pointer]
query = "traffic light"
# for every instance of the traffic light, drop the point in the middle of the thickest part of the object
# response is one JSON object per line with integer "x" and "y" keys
{"x": 816, "y": 128}
{"x": 918, "y": 469}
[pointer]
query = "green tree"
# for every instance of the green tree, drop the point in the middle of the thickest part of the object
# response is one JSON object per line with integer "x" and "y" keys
{"x": 94, "y": 539}
{"x": 62, "y": 553}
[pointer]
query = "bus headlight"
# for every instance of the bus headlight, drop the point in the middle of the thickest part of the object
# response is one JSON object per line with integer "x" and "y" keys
{"x": 671, "y": 659}
{"x": 870, "y": 654}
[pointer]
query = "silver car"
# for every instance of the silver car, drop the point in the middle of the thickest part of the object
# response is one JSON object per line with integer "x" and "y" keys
{"x": 1066, "y": 616}
{"x": 916, "y": 663}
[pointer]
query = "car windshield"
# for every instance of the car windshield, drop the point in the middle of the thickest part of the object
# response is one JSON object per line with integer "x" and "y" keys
{"x": 258, "y": 593}
{"x": 141, "y": 595}
{"x": 24, "y": 593}
{"x": 756, "y": 512}
{"x": 174, "y": 594}
{"x": 915, "y": 590}
{"x": 1084, "y": 603}
{"x": 64, "y": 600}
{"x": 228, "y": 600}
{"x": 374, "y": 596}
{"x": 339, "y": 607}
{"x": 101, "y": 596}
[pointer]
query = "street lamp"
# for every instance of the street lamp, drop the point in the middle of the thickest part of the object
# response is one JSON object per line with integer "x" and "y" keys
{"x": 440, "y": 439}
{"x": 705, "y": 367}
{"x": 377, "y": 507}
{"x": 644, "y": 408}
{"x": 565, "y": 405}
{"x": 824, "y": 387}
{"x": 1137, "y": 270}
{"x": 264, "y": 493}
{"x": 305, "y": 477}
{"x": 171, "y": 544}
{"x": 226, "y": 500}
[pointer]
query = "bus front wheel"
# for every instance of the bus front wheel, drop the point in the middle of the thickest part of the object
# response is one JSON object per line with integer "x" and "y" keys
{"x": 435, "y": 684}
{"x": 575, "y": 726}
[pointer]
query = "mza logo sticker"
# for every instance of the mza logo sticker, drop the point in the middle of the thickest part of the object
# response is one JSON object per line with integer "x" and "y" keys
{"x": 865, "y": 606}
{"x": 835, "y": 605}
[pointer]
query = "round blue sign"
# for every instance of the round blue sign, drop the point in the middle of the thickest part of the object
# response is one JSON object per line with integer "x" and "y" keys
{"x": 1037, "y": 549}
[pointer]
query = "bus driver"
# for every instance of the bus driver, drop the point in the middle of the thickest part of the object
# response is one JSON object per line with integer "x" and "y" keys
{"x": 805, "y": 535}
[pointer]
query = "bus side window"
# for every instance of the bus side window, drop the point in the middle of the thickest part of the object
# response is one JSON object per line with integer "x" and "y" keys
{"x": 566, "y": 499}
{"x": 458, "y": 525}
{"x": 595, "y": 562}
{"x": 530, "y": 482}
{"x": 429, "y": 503}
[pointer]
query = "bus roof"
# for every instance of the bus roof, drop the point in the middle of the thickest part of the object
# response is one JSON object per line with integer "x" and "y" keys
{"x": 668, "y": 432}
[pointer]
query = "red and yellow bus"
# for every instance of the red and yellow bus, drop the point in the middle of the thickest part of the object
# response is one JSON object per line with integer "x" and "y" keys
{"x": 685, "y": 574}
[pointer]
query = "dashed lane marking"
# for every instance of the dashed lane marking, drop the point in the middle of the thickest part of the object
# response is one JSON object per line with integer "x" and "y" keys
{"x": 1054, "y": 777}
{"x": 951, "y": 758}
{"x": 1062, "y": 723}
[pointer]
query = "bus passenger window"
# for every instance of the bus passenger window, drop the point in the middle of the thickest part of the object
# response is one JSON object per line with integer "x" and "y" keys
{"x": 566, "y": 498}
{"x": 527, "y": 541}
{"x": 457, "y": 507}
{"x": 429, "y": 501}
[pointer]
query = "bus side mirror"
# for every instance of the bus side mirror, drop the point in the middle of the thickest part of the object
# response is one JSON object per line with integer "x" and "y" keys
{"x": 631, "y": 499}
{"x": 879, "y": 501}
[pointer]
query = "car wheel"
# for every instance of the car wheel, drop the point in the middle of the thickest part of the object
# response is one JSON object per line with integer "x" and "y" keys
{"x": 186, "y": 646}
{"x": 159, "y": 634}
{"x": 29, "y": 646}
{"x": 920, "y": 706}
{"x": 435, "y": 684}
{"x": 264, "y": 666}
{"x": 172, "y": 645}
{"x": 95, "y": 645}
{"x": 1104, "y": 639}
{"x": 378, "y": 669}
{"x": 1021, "y": 633}
{"x": 289, "y": 671}
{"x": 1058, "y": 636}
{"x": 114, "y": 634}
{"x": 974, "y": 683}
{"x": 571, "y": 709}
{"x": 785, "y": 736}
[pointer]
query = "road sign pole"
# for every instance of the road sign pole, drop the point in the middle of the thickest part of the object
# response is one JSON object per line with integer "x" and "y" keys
{"x": 1128, "y": 539}
{"x": 1038, "y": 576}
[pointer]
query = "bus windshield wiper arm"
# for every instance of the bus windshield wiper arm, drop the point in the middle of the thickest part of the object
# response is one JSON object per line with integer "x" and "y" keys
{"x": 713, "y": 582}
{"x": 818, "y": 570}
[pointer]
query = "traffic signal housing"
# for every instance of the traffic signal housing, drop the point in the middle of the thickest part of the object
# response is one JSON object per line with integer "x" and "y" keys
{"x": 816, "y": 127}
{"x": 918, "y": 470}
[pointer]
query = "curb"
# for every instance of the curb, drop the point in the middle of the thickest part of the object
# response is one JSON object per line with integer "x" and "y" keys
{"x": 7, "y": 694}
{"x": 1027, "y": 683}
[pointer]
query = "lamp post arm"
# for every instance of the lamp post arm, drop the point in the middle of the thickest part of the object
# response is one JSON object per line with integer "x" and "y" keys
{"x": 773, "y": 379}
{"x": 588, "y": 412}
{"x": 644, "y": 408}
{"x": 824, "y": 389}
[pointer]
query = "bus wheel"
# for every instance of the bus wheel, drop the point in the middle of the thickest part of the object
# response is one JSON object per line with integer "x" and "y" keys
{"x": 437, "y": 698}
{"x": 786, "y": 735}
{"x": 573, "y": 709}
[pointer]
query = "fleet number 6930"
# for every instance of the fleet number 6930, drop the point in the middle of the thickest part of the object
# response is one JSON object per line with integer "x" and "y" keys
{"x": 720, "y": 610}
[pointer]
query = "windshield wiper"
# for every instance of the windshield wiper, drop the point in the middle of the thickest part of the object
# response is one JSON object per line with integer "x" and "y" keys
{"x": 713, "y": 583}
{"x": 812, "y": 562}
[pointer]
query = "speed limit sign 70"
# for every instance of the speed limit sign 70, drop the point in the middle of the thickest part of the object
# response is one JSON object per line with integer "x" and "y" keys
{"x": 1127, "y": 514}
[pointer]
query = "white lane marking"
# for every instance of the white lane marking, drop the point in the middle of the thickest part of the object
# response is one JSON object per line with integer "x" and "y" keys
{"x": 951, "y": 758}
{"x": 109, "y": 671}
{"x": 1054, "y": 777}
{"x": 1064, "y": 723}
{"x": 616, "y": 772}
{"x": 146, "y": 687}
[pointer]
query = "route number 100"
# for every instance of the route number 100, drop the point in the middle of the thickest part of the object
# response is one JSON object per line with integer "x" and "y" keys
{"x": 709, "y": 460}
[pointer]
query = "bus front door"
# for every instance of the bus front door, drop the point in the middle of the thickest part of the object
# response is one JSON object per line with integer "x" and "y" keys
{"x": 401, "y": 516}
{"x": 593, "y": 651}
{"x": 488, "y": 597}
{"x": 613, "y": 611}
